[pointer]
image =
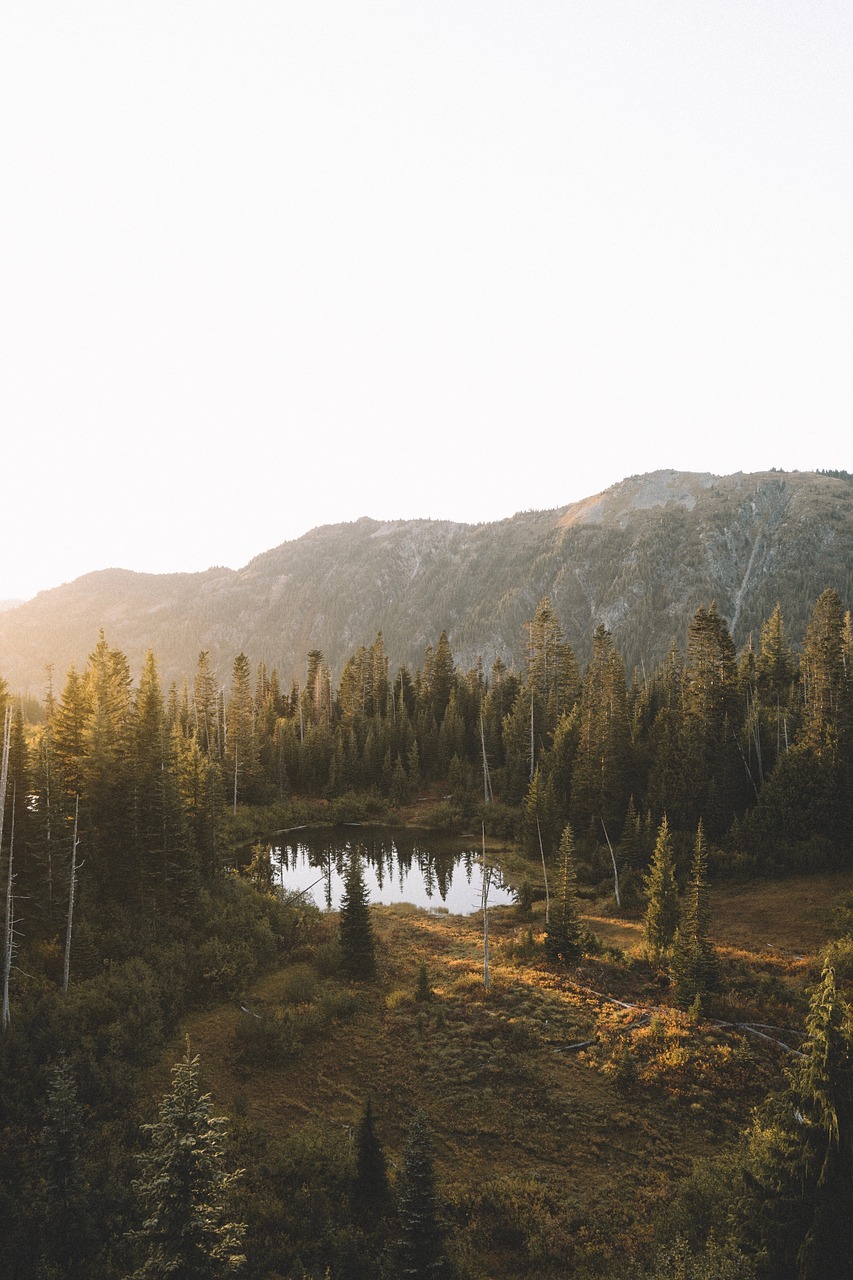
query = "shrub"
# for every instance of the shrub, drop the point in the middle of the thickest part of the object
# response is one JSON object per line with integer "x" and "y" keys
{"x": 327, "y": 959}
{"x": 444, "y": 817}
{"x": 298, "y": 985}
{"x": 423, "y": 991}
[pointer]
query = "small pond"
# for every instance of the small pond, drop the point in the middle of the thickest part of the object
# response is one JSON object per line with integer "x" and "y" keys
{"x": 435, "y": 872}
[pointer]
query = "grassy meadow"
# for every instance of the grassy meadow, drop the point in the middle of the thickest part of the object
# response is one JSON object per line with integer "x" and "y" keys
{"x": 565, "y": 1105}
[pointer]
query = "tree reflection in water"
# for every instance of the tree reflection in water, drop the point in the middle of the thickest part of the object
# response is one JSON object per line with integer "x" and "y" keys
{"x": 404, "y": 866}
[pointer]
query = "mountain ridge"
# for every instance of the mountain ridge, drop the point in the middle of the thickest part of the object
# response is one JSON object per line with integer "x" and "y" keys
{"x": 639, "y": 557}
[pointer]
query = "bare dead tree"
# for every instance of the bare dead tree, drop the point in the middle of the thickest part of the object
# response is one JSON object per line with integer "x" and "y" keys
{"x": 7, "y": 919}
{"x": 488, "y": 795}
{"x": 9, "y": 923}
{"x": 544, "y": 873}
{"x": 487, "y": 882}
{"x": 72, "y": 888}
{"x": 613, "y": 860}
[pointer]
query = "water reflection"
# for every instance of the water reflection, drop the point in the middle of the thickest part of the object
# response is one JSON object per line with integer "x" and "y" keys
{"x": 426, "y": 870}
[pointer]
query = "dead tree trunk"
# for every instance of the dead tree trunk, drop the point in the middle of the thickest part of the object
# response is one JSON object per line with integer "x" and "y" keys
{"x": 487, "y": 879}
{"x": 72, "y": 887}
{"x": 613, "y": 859}
{"x": 9, "y": 949}
{"x": 544, "y": 873}
{"x": 7, "y": 918}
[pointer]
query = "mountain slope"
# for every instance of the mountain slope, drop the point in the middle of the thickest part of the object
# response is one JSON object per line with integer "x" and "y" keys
{"x": 639, "y": 557}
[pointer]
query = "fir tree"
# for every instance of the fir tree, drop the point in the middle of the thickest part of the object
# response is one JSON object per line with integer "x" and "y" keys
{"x": 358, "y": 948}
{"x": 420, "y": 1246}
{"x": 799, "y": 1171}
{"x": 564, "y": 933}
{"x": 184, "y": 1188}
{"x": 695, "y": 966}
{"x": 601, "y": 774}
{"x": 661, "y": 919}
{"x": 65, "y": 1214}
{"x": 371, "y": 1192}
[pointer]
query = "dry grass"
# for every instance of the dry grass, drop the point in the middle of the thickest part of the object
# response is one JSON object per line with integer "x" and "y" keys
{"x": 518, "y": 1113}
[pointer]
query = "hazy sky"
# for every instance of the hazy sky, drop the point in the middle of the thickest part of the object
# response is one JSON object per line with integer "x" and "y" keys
{"x": 265, "y": 266}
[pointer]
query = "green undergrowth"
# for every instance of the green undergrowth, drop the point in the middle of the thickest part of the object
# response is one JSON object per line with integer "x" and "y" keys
{"x": 563, "y": 1121}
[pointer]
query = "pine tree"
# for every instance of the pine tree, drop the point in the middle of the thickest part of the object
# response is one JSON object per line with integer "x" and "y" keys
{"x": 695, "y": 966}
{"x": 601, "y": 775}
{"x": 824, "y": 679}
{"x": 107, "y": 794}
{"x": 420, "y": 1245}
{"x": 564, "y": 933}
{"x": 149, "y": 776}
{"x": 358, "y": 947}
{"x": 64, "y": 1215}
{"x": 775, "y": 665}
{"x": 442, "y": 678}
{"x": 799, "y": 1184}
{"x": 371, "y": 1192}
{"x": 241, "y": 746}
{"x": 553, "y": 678}
{"x": 661, "y": 919}
{"x": 185, "y": 1186}
{"x": 712, "y": 715}
{"x": 205, "y": 706}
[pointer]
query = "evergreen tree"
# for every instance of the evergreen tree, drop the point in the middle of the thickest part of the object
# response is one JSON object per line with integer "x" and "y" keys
{"x": 539, "y": 817}
{"x": 712, "y": 712}
{"x": 358, "y": 947}
{"x": 185, "y": 1186}
{"x": 667, "y": 786}
{"x": 149, "y": 775}
{"x": 601, "y": 776}
{"x": 241, "y": 746}
{"x": 825, "y": 679}
{"x": 64, "y": 1213}
{"x": 206, "y": 706}
{"x": 799, "y": 1184}
{"x": 564, "y": 933}
{"x": 442, "y": 678}
{"x": 775, "y": 665}
{"x": 553, "y": 678}
{"x": 661, "y": 919}
{"x": 371, "y": 1192}
{"x": 107, "y": 793}
{"x": 420, "y": 1245}
{"x": 695, "y": 966}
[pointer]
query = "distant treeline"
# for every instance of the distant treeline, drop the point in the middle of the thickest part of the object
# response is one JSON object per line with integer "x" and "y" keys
{"x": 756, "y": 745}
{"x": 125, "y": 804}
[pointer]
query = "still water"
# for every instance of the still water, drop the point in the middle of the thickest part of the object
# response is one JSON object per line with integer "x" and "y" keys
{"x": 404, "y": 866}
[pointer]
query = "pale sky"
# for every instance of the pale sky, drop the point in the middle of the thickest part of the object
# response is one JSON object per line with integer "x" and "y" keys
{"x": 266, "y": 266}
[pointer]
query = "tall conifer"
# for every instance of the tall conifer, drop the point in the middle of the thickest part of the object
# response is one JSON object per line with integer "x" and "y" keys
{"x": 695, "y": 965}
{"x": 420, "y": 1245}
{"x": 185, "y": 1186}
{"x": 371, "y": 1193}
{"x": 358, "y": 947}
{"x": 564, "y": 933}
{"x": 661, "y": 919}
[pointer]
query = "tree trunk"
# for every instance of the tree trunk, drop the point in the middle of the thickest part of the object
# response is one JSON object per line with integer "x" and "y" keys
{"x": 613, "y": 859}
{"x": 9, "y": 925}
{"x": 7, "y": 920}
{"x": 66, "y": 968}
{"x": 544, "y": 873}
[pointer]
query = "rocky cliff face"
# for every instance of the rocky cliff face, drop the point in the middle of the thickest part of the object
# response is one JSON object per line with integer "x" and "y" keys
{"x": 639, "y": 557}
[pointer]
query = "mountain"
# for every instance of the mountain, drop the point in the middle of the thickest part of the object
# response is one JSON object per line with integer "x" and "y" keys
{"x": 640, "y": 557}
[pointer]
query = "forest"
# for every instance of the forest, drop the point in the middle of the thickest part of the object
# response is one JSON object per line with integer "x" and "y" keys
{"x": 135, "y": 831}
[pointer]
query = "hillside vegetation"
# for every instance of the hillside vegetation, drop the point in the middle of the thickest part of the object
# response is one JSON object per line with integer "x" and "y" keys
{"x": 588, "y": 1111}
{"x": 551, "y": 1160}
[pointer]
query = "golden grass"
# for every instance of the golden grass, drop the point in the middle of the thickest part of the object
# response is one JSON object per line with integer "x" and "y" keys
{"x": 512, "y": 1105}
